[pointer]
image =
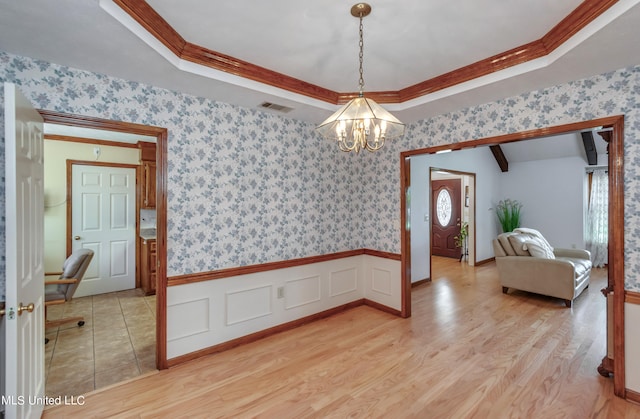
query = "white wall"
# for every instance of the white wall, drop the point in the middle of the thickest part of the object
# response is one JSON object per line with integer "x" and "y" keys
{"x": 552, "y": 195}
{"x": 209, "y": 313}
{"x": 477, "y": 160}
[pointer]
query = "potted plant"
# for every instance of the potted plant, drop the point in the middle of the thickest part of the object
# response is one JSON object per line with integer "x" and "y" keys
{"x": 461, "y": 239}
{"x": 508, "y": 211}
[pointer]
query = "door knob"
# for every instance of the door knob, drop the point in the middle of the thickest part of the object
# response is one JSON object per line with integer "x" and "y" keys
{"x": 22, "y": 308}
{"x": 76, "y": 237}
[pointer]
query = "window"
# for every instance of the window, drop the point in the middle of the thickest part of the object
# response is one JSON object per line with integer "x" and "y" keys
{"x": 443, "y": 206}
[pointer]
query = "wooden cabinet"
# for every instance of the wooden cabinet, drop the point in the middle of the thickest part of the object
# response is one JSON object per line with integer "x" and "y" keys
{"x": 148, "y": 185}
{"x": 147, "y": 175}
{"x": 148, "y": 270}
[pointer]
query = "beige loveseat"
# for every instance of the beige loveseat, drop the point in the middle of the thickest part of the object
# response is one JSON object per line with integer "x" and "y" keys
{"x": 561, "y": 273}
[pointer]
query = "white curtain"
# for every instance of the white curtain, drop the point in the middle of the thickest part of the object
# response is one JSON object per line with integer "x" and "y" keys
{"x": 597, "y": 233}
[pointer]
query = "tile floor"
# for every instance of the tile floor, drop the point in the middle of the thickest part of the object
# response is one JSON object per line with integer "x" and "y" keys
{"x": 116, "y": 343}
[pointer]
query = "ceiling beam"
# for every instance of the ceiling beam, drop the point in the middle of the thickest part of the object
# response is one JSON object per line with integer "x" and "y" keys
{"x": 606, "y": 135}
{"x": 500, "y": 157}
{"x": 590, "y": 147}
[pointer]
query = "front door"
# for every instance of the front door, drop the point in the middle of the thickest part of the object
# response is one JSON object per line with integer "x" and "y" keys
{"x": 24, "y": 216}
{"x": 103, "y": 207}
{"x": 445, "y": 217}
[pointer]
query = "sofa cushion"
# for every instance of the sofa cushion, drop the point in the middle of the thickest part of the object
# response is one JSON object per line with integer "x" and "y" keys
{"x": 537, "y": 248}
{"x": 517, "y": 241}
{"x": 503, "y": 239}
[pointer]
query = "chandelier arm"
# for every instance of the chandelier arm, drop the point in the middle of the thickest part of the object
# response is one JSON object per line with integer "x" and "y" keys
{"x": 343, "y": 147}
{"x": 377, "y": 147}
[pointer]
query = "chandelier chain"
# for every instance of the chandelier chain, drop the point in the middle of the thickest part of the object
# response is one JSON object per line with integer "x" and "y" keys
{"x": 360, "y": 56}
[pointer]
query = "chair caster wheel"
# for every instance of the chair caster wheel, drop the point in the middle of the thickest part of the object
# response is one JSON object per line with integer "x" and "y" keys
{"x": 81, "y": 323}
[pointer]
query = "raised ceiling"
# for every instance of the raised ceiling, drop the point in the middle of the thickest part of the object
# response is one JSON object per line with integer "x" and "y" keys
{"x": 421, "y": 58}
{"x": 317, "y": 41}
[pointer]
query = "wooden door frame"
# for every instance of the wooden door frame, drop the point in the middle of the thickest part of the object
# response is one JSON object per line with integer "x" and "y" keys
{"x": 405, "y": 236}
{"x": 616, "y": 219}
{"x": 161, "y": 135}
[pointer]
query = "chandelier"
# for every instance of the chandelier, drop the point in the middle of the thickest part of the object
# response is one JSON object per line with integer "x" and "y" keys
{"x": 361, "y": 123}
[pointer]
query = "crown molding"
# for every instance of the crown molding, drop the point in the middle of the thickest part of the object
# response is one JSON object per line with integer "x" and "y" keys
{"x": 162, "y": 31}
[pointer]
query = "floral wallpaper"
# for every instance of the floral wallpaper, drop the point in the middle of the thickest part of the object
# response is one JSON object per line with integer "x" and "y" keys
{"x": 247, "y": 187}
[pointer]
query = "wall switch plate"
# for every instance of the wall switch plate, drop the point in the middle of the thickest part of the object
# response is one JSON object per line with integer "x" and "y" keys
{"x": 280, "y": 292}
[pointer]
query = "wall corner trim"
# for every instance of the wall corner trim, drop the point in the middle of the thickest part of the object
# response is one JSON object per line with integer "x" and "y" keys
{"x": 485, "y": 261}
{"x": 632, "y": 297}
{"x": 632, "y": 396}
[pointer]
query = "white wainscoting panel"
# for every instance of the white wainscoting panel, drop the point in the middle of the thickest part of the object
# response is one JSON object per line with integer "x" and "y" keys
{"x": 241, "y": 305}
{"x": 302, "y": 291}
{"x": 382, "y": 281}
{"x": 248, "y": 304}
{"x": 632, "y": 346}
{"x": 343, "y": 282}
{"x": 187, "y": 319}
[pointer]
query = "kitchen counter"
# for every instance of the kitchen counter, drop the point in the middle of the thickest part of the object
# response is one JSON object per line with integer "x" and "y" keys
{"x": 148, "y": 233}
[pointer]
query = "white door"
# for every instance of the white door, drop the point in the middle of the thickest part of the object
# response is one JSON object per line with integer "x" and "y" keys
{"x": 103, "y": 202}
{"x": 24, "y": 196}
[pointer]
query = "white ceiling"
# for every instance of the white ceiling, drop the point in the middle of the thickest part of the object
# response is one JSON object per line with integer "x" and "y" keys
{"x": 316, "y": 41}
{"x": 554, "y": 147}
{"x": 405, "y": 42}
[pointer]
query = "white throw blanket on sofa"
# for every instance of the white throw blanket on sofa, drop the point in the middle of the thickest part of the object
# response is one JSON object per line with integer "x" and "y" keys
{"x": 535, "y": 243}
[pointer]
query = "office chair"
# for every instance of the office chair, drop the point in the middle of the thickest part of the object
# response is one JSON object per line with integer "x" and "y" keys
{"x": 61, "y": 290}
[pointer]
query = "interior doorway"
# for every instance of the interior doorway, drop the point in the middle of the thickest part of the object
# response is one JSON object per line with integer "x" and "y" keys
{"x": 615, "y": 130}
{"x": 157, "y": 305}
{"x": 462, "y": 244}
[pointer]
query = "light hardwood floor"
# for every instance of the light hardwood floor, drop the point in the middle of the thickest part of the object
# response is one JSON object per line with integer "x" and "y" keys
{"x": 468, "y": 351}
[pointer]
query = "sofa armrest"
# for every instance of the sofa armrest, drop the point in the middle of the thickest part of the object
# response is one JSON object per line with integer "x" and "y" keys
{"x": 572, "y": 253}
{"x": 525, "y": 265}
{"x": 553, "y": 277}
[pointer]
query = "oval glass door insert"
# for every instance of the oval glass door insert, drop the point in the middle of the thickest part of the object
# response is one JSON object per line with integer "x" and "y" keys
{"x": 443, "y": 207}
